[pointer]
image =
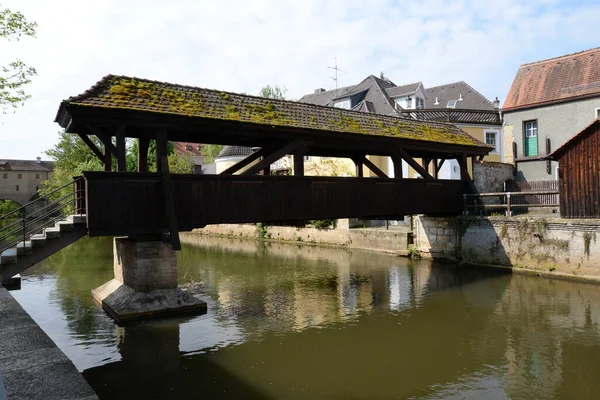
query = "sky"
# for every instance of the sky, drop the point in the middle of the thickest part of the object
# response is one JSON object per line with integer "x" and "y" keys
{"x": 242, "y": 45}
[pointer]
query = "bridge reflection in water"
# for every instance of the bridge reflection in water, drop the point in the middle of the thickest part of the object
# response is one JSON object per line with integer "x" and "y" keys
{"x": 293, "y": 321}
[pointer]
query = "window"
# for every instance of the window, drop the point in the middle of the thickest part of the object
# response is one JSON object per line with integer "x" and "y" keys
{"x": 188, "y": 147}
{"x": 491, "y": 138}
{"x": 451, "y": 104}
{"x": 530, "y": 146}
{"x": 597, "y": 113}
{"x": 343, "y": 104}
{"x": 17, "y": 188}
{"x": 37, "y": 176}
{"x": 306, "y": 158}
{"x": 19, "y": 176}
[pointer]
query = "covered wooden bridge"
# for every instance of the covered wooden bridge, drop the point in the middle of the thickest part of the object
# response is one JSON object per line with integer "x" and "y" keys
{"x": 125, "y": 203}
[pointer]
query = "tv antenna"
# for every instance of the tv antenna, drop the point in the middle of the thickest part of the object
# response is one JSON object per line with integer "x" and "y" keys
{"x": 336, "y": 69}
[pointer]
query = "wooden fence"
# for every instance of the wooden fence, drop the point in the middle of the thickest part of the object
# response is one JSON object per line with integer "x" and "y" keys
{"x": 534, "y": 200}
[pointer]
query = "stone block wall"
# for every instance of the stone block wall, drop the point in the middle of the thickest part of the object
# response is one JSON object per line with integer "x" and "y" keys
{"x": 435, "y": 237}
{"x": 562, "y": 245}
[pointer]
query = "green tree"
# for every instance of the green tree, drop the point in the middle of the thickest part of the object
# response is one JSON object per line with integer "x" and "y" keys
{"x": 211, "y": 151}
{"x": 15, "y": 75}
{"x": 7, "y": 206}
{"x": 273, "y": 92}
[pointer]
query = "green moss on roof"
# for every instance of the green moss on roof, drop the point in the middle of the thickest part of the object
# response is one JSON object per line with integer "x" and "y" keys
{"x": 117, "y": 92}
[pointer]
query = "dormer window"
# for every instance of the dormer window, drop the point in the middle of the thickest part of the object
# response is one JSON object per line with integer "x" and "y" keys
{"x": 188, "y": 147}
{"x": 199, "y": 147}
{"x": 345, "y": 103}
{"x": 451, "y": 104}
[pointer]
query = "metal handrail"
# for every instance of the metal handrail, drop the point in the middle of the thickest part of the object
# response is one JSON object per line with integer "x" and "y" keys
{"x": 44, "y": 217}
{"x": 509, "y": 205}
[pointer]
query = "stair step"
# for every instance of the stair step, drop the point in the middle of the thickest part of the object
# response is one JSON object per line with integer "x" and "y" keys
{"x": 64, "y": 226}
{"x": 77, "y": 219}
{"x": 8, "y": 256}
{"x": 37, "y": 240}
{"x": 52, "y": 233}
{"x": 24, "y": 248}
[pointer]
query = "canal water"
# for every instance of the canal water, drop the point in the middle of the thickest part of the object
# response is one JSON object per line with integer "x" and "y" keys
{"x": 292, "y": 321}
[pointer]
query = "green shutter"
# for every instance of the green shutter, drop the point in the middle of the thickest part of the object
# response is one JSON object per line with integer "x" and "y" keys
{"x": 531, "y": 146}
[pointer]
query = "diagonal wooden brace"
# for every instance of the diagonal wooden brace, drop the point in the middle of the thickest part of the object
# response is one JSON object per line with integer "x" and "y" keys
{"x": 246, "y": 161}
{"x": 411, "y": 161}
{"x": 91, "y": 145}
{"x": 270, "y": 158}
{"x": 374, "y": 168}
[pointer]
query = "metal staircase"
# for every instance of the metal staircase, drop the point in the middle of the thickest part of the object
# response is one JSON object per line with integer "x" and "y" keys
{"x": 40, "y": 228}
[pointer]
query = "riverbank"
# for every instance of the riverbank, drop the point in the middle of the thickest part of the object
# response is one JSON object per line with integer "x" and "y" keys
{"x": 393, "y": 240}
{"x": 31, "y": 365}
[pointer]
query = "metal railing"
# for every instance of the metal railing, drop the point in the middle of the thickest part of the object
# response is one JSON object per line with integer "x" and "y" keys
{"x": 41, "y": 213}
{"x": 508, "y": 204}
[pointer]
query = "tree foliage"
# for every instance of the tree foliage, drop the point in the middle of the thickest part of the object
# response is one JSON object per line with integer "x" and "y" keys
{"x": 15, "y": 75}
{"x": 210, "y": 152}
{"x": 7, "y": 206}
{"x": 273, "y": 92}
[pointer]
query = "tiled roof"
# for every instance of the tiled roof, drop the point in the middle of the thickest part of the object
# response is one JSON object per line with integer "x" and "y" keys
{"x": 125, "y": 93}
{"x": 325, "y": 98}
{"x": 26, "y": 165}
{"x": 232, "y": 151}
{"x": 557, "y": 79}
{"x": 403, "y": 90}
{"x": 471, "y": 98}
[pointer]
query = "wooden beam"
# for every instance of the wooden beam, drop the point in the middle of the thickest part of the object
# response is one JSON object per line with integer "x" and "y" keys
{"x": 435, "y": 168}
{"x": 464, "y": 172}
{"x": 121, "y": 163}
{"x": 425, "y": 162}
{"x": 92, "y": 146}
{"x": 105, "y": 139}
{"x": 369, "y": 164}
{"x": 358, "y": 163}
{"x": 440, "y": 163}
{"x": 246, "y": 161}
{"x": 299, "y": 161}
{"x": 411, "y": 161}
{"x": 167, "y": 187}
{"x": 161, "y": 150}
{"x": 270, "y": 158}
{"x": 107, "y": 159}
{"x": 397, "y": 166}
{"x": 143, "y": 145}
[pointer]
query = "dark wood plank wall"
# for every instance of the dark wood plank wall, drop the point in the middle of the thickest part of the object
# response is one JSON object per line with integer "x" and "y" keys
{"x": 129, "y": 204}
{"x": 579, "y": 169}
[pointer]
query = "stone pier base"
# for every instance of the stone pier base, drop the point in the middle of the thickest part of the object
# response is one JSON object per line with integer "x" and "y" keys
{"x": 145, "y": 283}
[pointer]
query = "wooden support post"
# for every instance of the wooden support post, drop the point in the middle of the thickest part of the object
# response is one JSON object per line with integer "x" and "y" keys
{"x": 435, "y": 168}
{"x": 397, "y": 166}
{"x": 105, "y": 139}
{"x": 464, "y": 172}
{"x": 411, "y": 161}
{"x": 143, "y": 145}
{"x": 358, "y": 163}
{"x": 270, "y": 158}
{"x": 425, "y": 163}
{"x": 121, "y": 164}
{"x": 369, "y": 164}
{"x": 299, "y": 161}
{"x": 161, "y": 150}
{"x": 508, "y": 210}
{"x": 267, "y": 169}
{"x": 107, "y": 159}
{"x": 92, "y": 146}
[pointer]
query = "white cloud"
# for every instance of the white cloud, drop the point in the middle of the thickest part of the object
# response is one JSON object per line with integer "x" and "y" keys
{"x": 243, "y": 45}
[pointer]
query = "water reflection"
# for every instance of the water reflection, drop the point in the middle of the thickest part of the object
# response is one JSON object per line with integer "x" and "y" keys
{"x": 289, "y": 321}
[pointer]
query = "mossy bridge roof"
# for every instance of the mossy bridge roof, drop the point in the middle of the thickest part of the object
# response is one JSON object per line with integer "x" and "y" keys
{"x": 212, "y": 116}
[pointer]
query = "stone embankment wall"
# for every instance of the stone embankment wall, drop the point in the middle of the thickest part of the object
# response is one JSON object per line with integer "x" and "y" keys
{"x": 392, "y": 240}
{"x": 549, "y": 245}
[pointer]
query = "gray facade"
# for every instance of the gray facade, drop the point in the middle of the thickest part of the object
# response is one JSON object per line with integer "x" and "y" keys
{"x": 559, "y": 122}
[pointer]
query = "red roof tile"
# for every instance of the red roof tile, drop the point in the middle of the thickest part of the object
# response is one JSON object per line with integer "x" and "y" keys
{"x": 554, "y": 80}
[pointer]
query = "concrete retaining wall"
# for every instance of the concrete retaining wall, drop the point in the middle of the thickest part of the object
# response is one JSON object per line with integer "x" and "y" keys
{"x": 393, "y": 240}
{"x": 567, "y": 246}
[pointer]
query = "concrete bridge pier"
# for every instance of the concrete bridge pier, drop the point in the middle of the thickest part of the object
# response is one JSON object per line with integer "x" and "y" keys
{"x": 145, "y": 282}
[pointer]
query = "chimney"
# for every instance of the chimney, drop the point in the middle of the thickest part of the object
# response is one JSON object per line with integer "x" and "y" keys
{"x": 38, "y": 160}
{"x": 319, "y": 90}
